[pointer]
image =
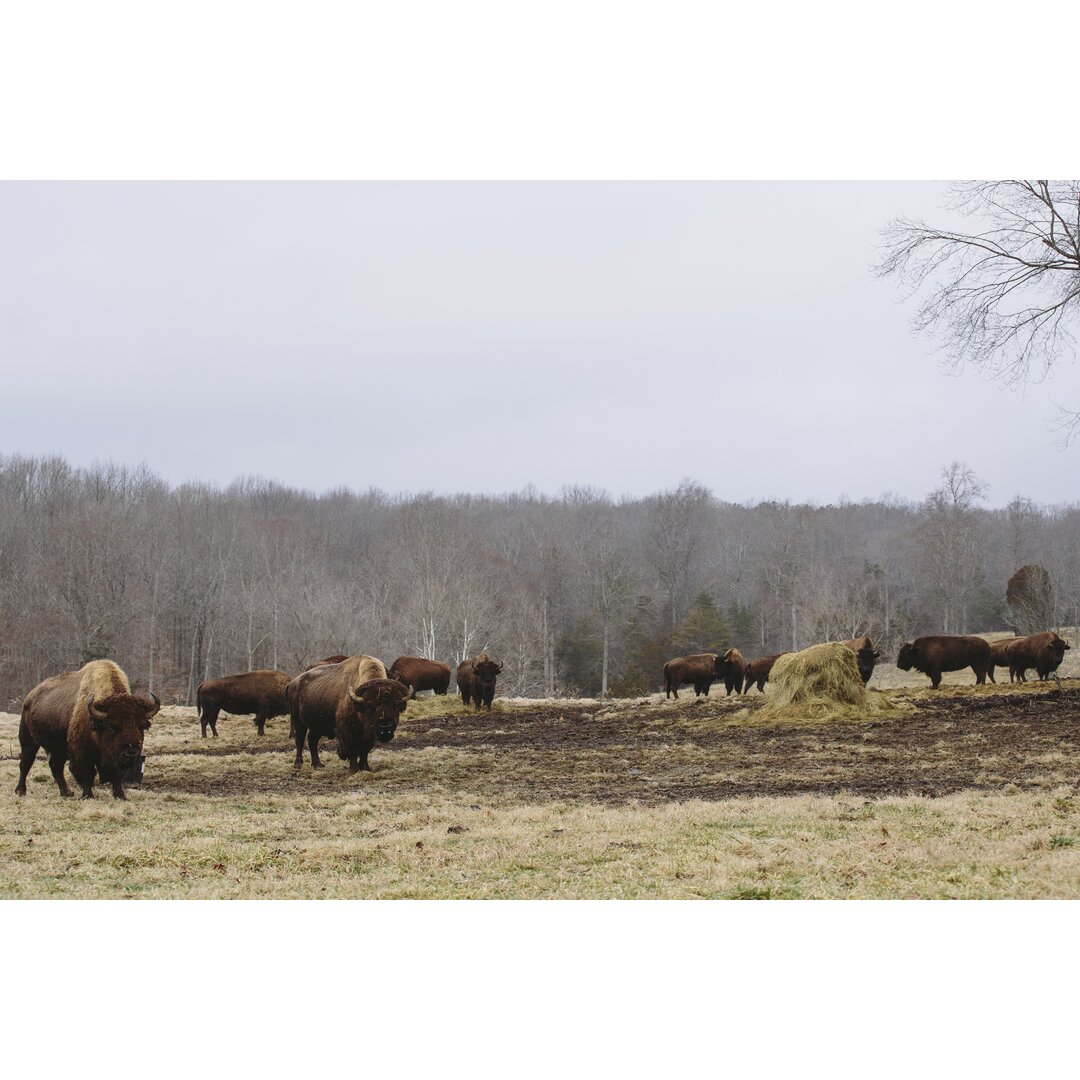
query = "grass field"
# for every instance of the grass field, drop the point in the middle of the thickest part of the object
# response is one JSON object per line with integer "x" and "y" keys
{"x": 969, "y": 792}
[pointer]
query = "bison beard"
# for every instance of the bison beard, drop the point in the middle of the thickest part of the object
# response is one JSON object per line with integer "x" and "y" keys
{"x": 90, "y": 718}
{"x": 353, "y": 702}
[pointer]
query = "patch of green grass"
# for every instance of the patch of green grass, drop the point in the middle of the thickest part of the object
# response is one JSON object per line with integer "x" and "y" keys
{"x": 751, "y": 893}
{"x": 1060, "y": 840}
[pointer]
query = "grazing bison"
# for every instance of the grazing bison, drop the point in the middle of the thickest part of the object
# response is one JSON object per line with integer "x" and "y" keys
{"x": 420, "y": 674}
{"x": 258, "y": 692}
{"x": 945, "y": 652}
{"x": 327, "y": 660}
{"x": 476, "y": 679}
{"x": 866, "y": 655}
{"x": 700, "y": 669}
{"x": 758, "y": 671}
{"x": 1043, "y": 652}
{"x": 353, "y": 702}
{"x": 89, "y": 718}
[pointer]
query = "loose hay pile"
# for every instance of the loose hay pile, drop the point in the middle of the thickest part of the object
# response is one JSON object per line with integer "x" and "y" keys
{"x": 821, "y": 683}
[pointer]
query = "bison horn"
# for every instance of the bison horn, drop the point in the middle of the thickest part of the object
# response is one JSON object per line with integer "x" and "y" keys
{"x": 157, "y": 704}
{"x": 357, "y": 699}
{"x": 93, "y": 710}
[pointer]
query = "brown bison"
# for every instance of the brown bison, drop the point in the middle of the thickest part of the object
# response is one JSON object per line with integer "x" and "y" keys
{"x": 866, "y": 655}
{"x": 758, "y": 671}
{"x": 731, "y": 667}
{"x": 258, "y": 692}
{"x": 89, "y": 718}
{"x": 702, "y": 670}
{"x": 945, "y": 652}
{"x": 999, "y": 657}
{"x": 353, "y": 702}
{"x": 420, "y": 674}
{"x": 1043, "y": 652}
{"x": 476, "y": 679}
{"x": 327, "y": 660}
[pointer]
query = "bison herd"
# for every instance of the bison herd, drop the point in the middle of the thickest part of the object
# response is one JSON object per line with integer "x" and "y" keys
{"x": 90, "y": 719}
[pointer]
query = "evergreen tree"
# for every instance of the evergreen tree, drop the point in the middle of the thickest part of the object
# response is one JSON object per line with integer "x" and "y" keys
{"x": 704, "y": 628}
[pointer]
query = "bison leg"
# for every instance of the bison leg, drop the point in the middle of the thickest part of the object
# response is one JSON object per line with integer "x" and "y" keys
{"x": 118, "y": 788}
{"x": 56, "y": 764}
{"x": 313, "y": 748}
{"x": 209, "y": 716}
{"x": 260, "y": 723}
{"x": 980, "y": 677}
{"x": 935, "y": 679}
{"x": 990, "y": 675}
{"x": 26, "y": 760}
{"x": 298, "y": 732}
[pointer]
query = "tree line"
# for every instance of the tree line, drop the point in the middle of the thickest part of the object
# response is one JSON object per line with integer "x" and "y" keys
{"x": 577, "y": 593}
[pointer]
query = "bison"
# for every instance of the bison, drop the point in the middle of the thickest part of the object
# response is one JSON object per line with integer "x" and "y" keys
{"x": 89, "y": 718}
{"x": 731, "y": 667}
{"x": 702, "y": 669}
{"x": 1043, "y": 652}
{"x": 353, "y": 702}
{"x": 999, "y": 657}
{"x": 258, "y": 692}
{"x": 866, "y": 655}
{"x": 420, "y": 674}
{"x": 758, "y": 671}
{"x": 476, "y": 679}
{"x": 946, "y": 652}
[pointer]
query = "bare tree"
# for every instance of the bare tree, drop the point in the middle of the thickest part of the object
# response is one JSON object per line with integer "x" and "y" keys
{"x": 1001, "y": 297}
{"x": 950, "y": 538}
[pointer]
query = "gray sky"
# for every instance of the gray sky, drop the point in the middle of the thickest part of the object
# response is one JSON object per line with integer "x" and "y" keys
{"x": 481, "y": 337}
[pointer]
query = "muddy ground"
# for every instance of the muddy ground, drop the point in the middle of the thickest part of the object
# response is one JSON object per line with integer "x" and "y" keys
{"x": 978, "y": 738}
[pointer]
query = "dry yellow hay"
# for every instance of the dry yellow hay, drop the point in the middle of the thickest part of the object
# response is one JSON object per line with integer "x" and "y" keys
{"x": 821, "y": 683}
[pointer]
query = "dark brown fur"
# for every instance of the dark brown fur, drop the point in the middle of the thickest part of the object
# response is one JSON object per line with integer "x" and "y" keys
{"x": 700, "y": 669}
{"x": 946, "y": 652}
{"x": 758, "y": 671}
{"x": 731, "y": 667}
{"x": 1043, "y": 652}
{"x": 476, "y": 680}
{"x": 420, "y": 674}
{"x": 353, "y": 702}
{"x": 258, "y": 692}
{"x": 88, "y": 718}
{"x": 866, "y": 655}
{"x": 999, "y": 657}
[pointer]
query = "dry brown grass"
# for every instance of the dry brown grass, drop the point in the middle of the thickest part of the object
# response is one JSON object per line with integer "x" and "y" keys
{"x": 572, "y": 799}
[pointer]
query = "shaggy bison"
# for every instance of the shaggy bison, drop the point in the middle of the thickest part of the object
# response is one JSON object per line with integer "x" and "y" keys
{"x": 731, "y": 667}
{"x": 945, "y": 652}
{"x": 420, "y": 674}
{"x": 353, "y": 702}
{"x": 758, "y": 671}
{"x": 258, "y": 692}
{"x": 89, "y": 718}
{"x": 1043, "y": 652}
{"x": 476, "y": 679}
{"x": 866, "y": 655}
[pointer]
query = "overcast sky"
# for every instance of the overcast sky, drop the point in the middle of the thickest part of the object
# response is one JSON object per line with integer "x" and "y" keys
{"x": 481, "y": 337}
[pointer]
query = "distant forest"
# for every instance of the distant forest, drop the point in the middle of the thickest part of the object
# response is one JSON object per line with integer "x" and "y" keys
{"x": 575, "y": 593}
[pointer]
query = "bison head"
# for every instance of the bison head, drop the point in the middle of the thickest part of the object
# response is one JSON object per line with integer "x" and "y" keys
{"x": 905, "y": 659}
{"x": 1058, "y": 645}
{"x": 381, "y": 701}
{"x": 118, "y": 724}
{"x": 486, "y": 670}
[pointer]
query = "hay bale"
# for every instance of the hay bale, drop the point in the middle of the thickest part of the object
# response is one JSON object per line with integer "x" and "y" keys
{"x": 821, "y": 683}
